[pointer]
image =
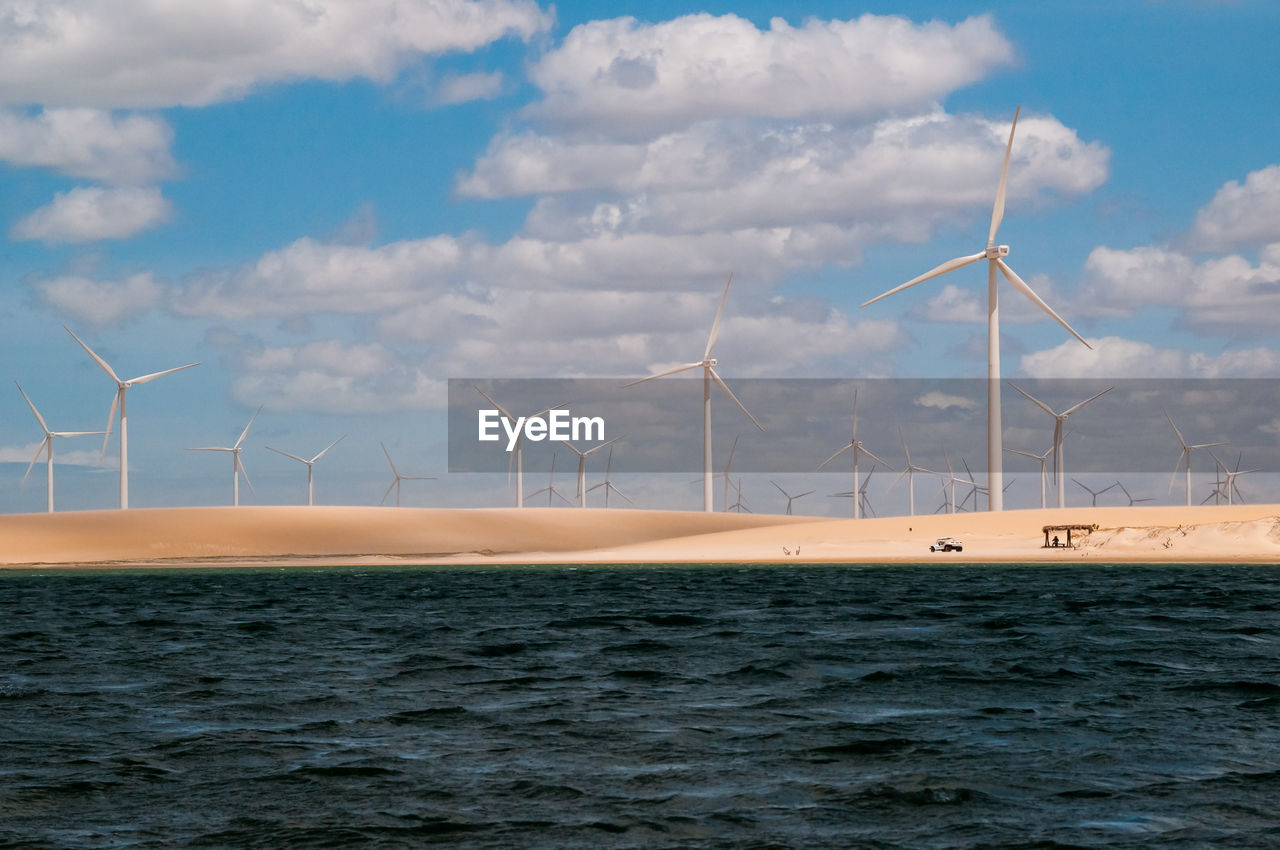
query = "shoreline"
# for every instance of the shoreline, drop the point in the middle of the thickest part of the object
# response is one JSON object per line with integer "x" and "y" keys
{"x": 280, "y": 536}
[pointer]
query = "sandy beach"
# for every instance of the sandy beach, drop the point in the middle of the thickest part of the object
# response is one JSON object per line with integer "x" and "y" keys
{"x": 258, "y": 536}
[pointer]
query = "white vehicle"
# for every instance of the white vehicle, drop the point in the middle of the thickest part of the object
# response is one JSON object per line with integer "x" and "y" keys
{"x": 947, "y": 544}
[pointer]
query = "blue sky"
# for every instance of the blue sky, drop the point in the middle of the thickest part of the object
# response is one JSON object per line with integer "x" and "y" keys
{"x": 337, "y": 206}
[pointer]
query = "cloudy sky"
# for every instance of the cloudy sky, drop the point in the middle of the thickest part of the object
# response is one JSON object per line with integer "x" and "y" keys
{"x": 336, "y": 206}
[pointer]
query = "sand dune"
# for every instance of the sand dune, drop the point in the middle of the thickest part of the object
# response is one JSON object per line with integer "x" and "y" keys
{"x": 303, "y": 535}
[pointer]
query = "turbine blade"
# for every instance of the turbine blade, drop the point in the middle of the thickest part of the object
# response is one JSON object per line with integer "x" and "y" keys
{"x": 39, "y": 418}
{"x": 722, "y": 385}
{"x": 948, "y": 266}
{"x": 1024, "y": 454}
{"x": 391, "y": 487}
{"x": 1181, "y": 441}
{"x": 1037, "y": 402}
{"x": 394, "y": 471}
{"x": 326, "y": 448}
{"x": 602, "y": 445}
{"x": 1021, "y": 285}
{"x": 1071, "y": 410}
{"x": 286, "y": 454}
{"x": 997, "y": 210}
{"x": 715, "y": 326}
{"x": 729, "y": 463}
{"x": 500, "y": 408}
{"x": 210, "y": 449}
{"x": 39, "y": 451}
{"x": 73, "y": 433}
{"x": 245, "y": 432}
{"x": 846, "y": 448}
{"x": 780, "y": 490}
{"x": 134, "y": 381}
{"x": 868, "y": 453}
{"x": 111, "y": 417}
{"x": 684, "y": 368}
{"x": 106, "y": 367}
{"x": 572, "y": 446}
{"x": 245, "y": 473}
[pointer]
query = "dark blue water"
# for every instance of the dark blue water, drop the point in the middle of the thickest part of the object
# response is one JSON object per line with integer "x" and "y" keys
{"x": 655, "y": 707}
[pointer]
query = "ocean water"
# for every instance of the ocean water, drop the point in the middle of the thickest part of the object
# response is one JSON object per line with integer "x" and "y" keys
{"x": 769, "y": 707}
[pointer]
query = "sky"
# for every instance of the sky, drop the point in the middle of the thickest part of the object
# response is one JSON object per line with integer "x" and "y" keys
{"x": 335, "y": 207}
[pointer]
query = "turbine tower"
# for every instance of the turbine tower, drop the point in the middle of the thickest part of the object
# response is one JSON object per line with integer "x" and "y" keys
{"x": 237, "y": 465}
{"x": 909, "y": 472}
{"x": 47, "y": 443}
{"x": 1044, "y": 475}
{"x": 994, "y": 255}
{"x": 707, "y": 364}
{"x": 398, "y": 477}
{"x": 311, "y": 492}
{"x": 119, "y": 402}
{"x": 1059, "y": 467}
{"x": 1185, "y": 456}
{"x": 855, "y": 444}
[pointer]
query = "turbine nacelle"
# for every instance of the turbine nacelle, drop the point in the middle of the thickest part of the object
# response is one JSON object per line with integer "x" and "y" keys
{"x": 995, "y": 252}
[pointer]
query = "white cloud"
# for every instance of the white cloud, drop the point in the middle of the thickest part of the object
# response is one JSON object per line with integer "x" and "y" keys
{"x": 622, "y": 76}
{"x": 62, "y": 457}
{"x": 87, "y": 214}
{"x": 461, "y": 88}
{"x": 333, "y": 377}
{"x": 118, "y": 53}
{"x": 1241, "y": 216}
{"x": 944, "y": 401}
{"x": 88, "y": 143}
{"x": 1116, "y": 357}
{"x": 101, "y": 302}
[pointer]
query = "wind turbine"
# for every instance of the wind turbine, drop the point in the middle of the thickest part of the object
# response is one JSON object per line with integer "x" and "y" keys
{"x": 739, "y": 506}
{"x": 311, "y": 492}
{"x": 994, "y": 255}
{"x": 1185, "y": 456}
{"x": 1094, "y": 493}
{"x": 519, "y": 448}
{"x": 47, "y": 443}
{"x": 119, "y": 401}
{"x": 1044, "y": 475}
{"x": 237, "y": 466}
{"x": 1230, "y": 475}
{"x": 607, "y": 483}
{"x": 790, "y": 498}
{"x": 855, "y": 444}
{"x": 863, "y": 500}
{"x": 909, "y": 472}
{"x": 951, "y": 479}
{"x": 1059, "y": 466}
{"x": 398, "y": 477}
{"x": 550, "y": 489}
{"x": 707, "y": 364}
{"x": 582, "y": 466}
{"x": 1129, "y": 496}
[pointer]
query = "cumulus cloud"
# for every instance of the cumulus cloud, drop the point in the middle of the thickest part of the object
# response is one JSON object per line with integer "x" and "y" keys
{"x": 334, "y": 377}
{"x": 1117, "y": 357}
{"x": 101, "y": 302}
{"x": 116, "y": 53}
{"x": 1240, "y": 216}
{"x": 623, "y": 76}
{"x": 460, "y": 88}
{"x": 88, "y": 143}
{"x": 945, "y": 401}
{"x": 88, "y": 214}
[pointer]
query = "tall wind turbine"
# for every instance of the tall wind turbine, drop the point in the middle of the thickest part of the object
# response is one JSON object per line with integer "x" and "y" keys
{"x": 909, "y": 472}
{"x": 237, "y": 465}
{"x": 1230, "y": 476}
{"x": 855, "y": 444}
{"x": 47, "y": 443}
{"x": 582, "y": 466}
{"x": 994, "y": 255}
{"x": 398, "y": 477}
{"x": 550, "y": 489}
{"x": 707, "y": 364}
{"x": 1044, "y": 475}
{"x": 1129, "y": 496}
{"x": 518, "y": 451}
{"x": 119, "y": 402}
{"x": 1185, "y": 456}
{"x": 1059, "y": 466}
{"x": 790, "y": 498}
{"x": 311, "y": 491}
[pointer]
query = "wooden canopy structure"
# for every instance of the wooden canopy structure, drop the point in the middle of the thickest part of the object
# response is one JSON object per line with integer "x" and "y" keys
{"x": 1065, "y": 529}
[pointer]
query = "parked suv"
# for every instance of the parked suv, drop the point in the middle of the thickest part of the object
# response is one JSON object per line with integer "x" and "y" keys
{"x": 947, "y": 544}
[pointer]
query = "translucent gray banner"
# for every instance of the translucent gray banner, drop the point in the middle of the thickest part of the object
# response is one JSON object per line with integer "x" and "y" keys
{"x": 658, "y": 425}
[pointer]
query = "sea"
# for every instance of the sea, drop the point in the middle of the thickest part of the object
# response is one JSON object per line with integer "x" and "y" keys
{"x": 623, "y": 706}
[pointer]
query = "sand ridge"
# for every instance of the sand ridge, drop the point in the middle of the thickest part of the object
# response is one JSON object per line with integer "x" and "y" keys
{"x": 282, "y": 535}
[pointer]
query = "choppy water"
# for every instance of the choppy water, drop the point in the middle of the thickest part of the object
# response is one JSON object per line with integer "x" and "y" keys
{"x": 657, "y": 707}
